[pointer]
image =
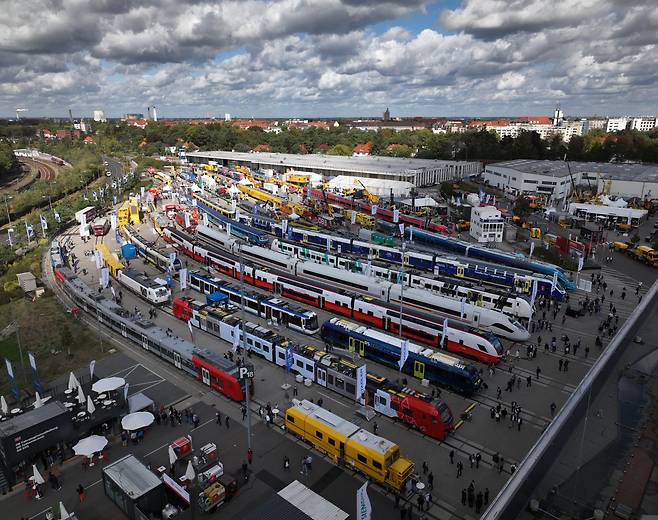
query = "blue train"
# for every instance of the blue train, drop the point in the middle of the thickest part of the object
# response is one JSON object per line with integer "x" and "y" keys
{"x": 243, "y": 231}
{"x": 437, "y": 367}
{"x": 469, "y": 270}
{"x": 461, "y": 247}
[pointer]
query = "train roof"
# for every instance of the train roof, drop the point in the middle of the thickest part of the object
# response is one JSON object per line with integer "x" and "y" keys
{"x": 141, "y": 279}
{"x": 373, "y": 442}
{"x": 396, "y": 342}
{"x": 313, "y": 411}
{"x": 219, "y": 361}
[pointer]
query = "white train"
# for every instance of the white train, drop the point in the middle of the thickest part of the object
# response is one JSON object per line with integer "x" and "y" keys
{"x": 144, "y": 286}
{"x": 455, "y": 310}
{"x": 511, "y": 304}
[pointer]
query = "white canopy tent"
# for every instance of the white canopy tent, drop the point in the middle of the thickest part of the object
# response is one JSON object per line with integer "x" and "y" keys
{"x": 108, "y": 384}
{"x": 90, "y": 445}
{"x": 137, "y": 421}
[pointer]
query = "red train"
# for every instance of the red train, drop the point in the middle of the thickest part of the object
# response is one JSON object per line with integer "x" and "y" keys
{"x": 384, "y": 214}
{"x": 220, "y": 374}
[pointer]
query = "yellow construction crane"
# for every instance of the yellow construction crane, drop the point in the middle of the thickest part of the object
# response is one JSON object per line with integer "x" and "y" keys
{"x": 372, "y": 198}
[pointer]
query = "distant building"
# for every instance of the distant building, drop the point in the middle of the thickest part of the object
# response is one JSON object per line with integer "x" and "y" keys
{"x": 131, "y": 117}
{"x": 643, "y": 124}
{"x": 487, "y": 224}
{"x": 227, "y": 117}
{"x": 615, "y": 124}
{"x": 558, "y": 116}
{"x": 99, "y": 116}
{"x": 361, "y": 150}
{"x": 139, "y": 123}
{"x": 387, "y": 115}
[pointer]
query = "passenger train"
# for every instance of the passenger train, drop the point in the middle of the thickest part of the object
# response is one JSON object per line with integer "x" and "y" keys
{"x": 513, "y": 305}
{"x": 439, "y": 368}
{"x": 441, "y": 265}
{"x": 461, "y": 247}
{"x": 462, "y": 312}
{"x": 429, "y": 415}
{"x": 145, "y": 287}
{"x": 415, "y": 325}
{"x": 149, "y": 251}
{"x": 214, "y": 371}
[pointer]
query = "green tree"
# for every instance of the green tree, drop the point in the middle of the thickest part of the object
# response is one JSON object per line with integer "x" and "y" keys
{"x": 341, "y": 149}
{"x": 7, "y": 159}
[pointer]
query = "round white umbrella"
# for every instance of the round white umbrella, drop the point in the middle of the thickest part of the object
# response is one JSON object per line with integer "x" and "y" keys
{"x": 73, "y": 381}
{"x": 63, "y": 513}
{"x": 189, "y": 472}
{"x": 90, "y": 445}
{"x": 172, "y": 456}
{"x": 137, "y": 421}
{"x": 3, "y": 405}
{"x": 81, "y": 395}
{"x": 38, "y": 479}
{"x": 38, "y": 403}
{"x": 109, "y": 384}
{"x": 90, "y": 406}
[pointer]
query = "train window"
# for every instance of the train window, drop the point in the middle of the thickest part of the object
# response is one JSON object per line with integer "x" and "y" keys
{"x": 290, "y": 418}
{"x": 266, "y": 349}
{"x": 351, "y": 389}
{"x": 309, "y": 367}
{"x": 330, "y": 379}
{"x": 482, "y": 348}
{"x": 362, "y": 459}
{"x": 281, "y": 355}
{"x": 394, "y": 405}
{"x": 340, "y": 383}
{"x": 376, "y": 464}
{"x": 319, "y": 434}
{"x": 250, "y": 341}
{"x": 299, "y": 364}
{"x": 382, "y": 400}
{"x": 331, "y": 441}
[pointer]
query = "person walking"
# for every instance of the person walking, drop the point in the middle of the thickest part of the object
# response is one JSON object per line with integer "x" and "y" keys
{"x": 566, "y": 365}
{"x": 478, "y": 502}
{"x": 460, "y": 468}
{"x": 464, "y": 496}
{"x": 250, "y": 456}
{"x": 560, "y": 364}
{"x": 425, "y": 468}
{"x": 528, "y": 381}
{"x": 81, "y": 493}
{"x": 375, "y": 427}
{"x": 286, "y": 463}
{"x": 243, "y": 409}
{"x": 471, "y": 459}
{"x": 538, "y": 372}
{"x": 486, "y": 496}
{"x": 478, "y": 458}
{"x": 218, "y": 417}
{"x": 227, "y": 423}
{"x": 553, "y": 408}
{"x": 430, "y": 480}
{"x": 452, "y": 456}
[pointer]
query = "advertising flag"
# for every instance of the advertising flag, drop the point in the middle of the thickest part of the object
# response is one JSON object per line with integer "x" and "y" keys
{"x": 444, "y": 332}
{"x": 186, "y": 217}
{"x": 98, "y": 258}
{"x": 12, "y": 380}
{"x": 236, "y": 337}
{"x": 404, "y": 353}
{"x": 172, "y": 259}
{"x": 532, "y": 249}
{"x": 290, "y": 358}
{"x": 554, "y": 282}
{"x": 462, "y": 311}
{"x": 105, "y": 277}
{"x": 205, "y": 219}
{"x": 353, "y": 218}
{"x": 44, "y": 222}
{"x": 373, "y": 210}
{"x": 401, "y": 226}
{"x": 29, "y": 230}
{"x": 92, "y": 366}
{"x": 396, "y": 215}
{"x": 360, "y": 382}
{"x": 534, "y": 294}
{"x": 125, "y": 391}
{"x": 113, "y": 220}
{"x": 411, "y": 234}
{"x": 481, "y": 195}
{"x": 183, "y": 279}
{"x": 141, "y": 190}
{"x": 284, "y": 227}
{"x": 58, "y": 219}
{"x": 363, "y": 507}
{"x": 581, "y": 262}
{"x": 228, "y": 229}
{"x": 189, "y": 326}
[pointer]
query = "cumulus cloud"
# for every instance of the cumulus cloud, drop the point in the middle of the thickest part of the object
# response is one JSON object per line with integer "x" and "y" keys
{"x": 323, "y": 57}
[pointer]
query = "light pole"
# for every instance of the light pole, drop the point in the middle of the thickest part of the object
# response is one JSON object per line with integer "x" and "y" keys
{"x": 244, "y": 349}
{"x": 7, "y": 208}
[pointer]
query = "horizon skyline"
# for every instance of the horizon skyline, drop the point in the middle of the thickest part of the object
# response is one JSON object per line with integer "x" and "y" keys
{"x": 323, "y": 58}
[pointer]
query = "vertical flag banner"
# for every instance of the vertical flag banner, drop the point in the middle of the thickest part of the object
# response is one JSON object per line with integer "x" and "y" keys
{"x": 183, "y": 279}
{"x": 363, "y": 507}
{"x": 186, "y": 216}
{"x": 189, "y": 326}
{"x": 10, "y": 232}
{"x": 396, "y": 215}
{"x": 290, "y": 358}
{"x": 29, "y": 230}
{"x": 12, "y": 380}
{"x": 284, "y": 227}
{"x": 532, "y": 249}
{"x": 368, "y": 268}
{"x": 228, "y": 228}
{"x": 481, "y": 195}
{"x": 401, "y": 226}
{"x": 194, "y": 202}
{"x": 353, "y": 217}
{"x": 360, "y": 382}
{"x": 44, "y": 222}
{"x": 534, "y": 294}
{"x": 125, "y": 391}
{"x": 554, "y": 282}
{"x": 236, "y": 337}
{"x": 581, "y": 262}
{"x": 35, "y": 373}
{"x": 494, "y": 200}
{"x": 105, "y": 277}
{"x": 411, "y": 234}
{"x": 113, "y": 220}
{"x": 114, "y": 199}
{"x": 92, "y": 366}
{"x": 98, "y": 258}
{"x": 172, "y": 259}
{"x": 462, "y": 310}
{"x": 373, "y": 210}
{"x": 205, "y": 219}
{"x": 404, "y": 353}
{"x": 444, "y": 332}
{"x": 141, "y": 190}
{"x": 58, "y": 219}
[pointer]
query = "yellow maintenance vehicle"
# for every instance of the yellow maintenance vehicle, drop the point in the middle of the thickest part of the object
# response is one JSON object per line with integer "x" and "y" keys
{"x": 372, "y": 198}
{"x": 645, "y": 254}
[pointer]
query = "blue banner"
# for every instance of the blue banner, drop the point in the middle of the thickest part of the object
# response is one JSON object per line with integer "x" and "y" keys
{"x": 12, "y": 380}
{"x": 289, "y": 356}
{"x": 36, "y": 381}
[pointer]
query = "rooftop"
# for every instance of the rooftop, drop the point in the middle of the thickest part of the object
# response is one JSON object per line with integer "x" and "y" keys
{"x": 375, "y": 164}
{"x": 132, "y": 476}
{"x": 621, "y": 171}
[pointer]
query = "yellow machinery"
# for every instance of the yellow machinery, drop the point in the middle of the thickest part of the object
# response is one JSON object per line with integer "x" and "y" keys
{"x": 110, "y": 260}
{"x": 346, "y": 443}
{"x": 645, "y": 254}
{"x": 622, "y": 247}
{"x": 298, "y": 179}
{"x": 372, "y": 198}
{"x": 535, "y": 232}
{"x": 123, "y": 215}
{"x": 134, "y": 211}
{"x": 260, "y": 195}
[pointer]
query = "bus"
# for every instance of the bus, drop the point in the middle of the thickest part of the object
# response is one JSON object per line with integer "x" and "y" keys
{"x": 100, "y": 228}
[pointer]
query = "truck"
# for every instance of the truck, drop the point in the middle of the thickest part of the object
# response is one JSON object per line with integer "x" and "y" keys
{"x": 645, "y": 254}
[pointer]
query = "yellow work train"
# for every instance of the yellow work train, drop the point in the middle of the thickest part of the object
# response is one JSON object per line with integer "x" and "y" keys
{"x": 110, "y": 260}
{"x": 347, "y": 444}
{"x": 260, "y": 195}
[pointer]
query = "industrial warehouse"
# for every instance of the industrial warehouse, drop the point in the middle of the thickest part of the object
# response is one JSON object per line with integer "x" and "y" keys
{"x": 416, "y": 172}
{"x": 554, "y": 178}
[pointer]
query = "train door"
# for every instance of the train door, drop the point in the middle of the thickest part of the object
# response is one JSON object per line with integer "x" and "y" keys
{"x": 476, "y": 318}
{"x": 321, "y": 377}
{"x": 124, "y": 330}
{"x": 356, "y": 345}
{"x": 177, "y": 360}
{"x": 145, "y": 342}
{"x": 419, "y": 369}
{"x": 304, "y": 237}
{"x": 205, "y": 376}
{"x": 460, "y": 271}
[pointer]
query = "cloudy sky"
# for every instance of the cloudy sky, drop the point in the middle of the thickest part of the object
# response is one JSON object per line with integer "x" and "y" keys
{"x": 323, "y": 58}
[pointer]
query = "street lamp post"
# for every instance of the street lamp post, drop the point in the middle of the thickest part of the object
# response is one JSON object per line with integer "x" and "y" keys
{"x": 7, "y": 208}
{"x": 243, "y": 340}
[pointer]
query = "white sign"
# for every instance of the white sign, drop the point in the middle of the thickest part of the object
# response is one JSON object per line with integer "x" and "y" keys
{"x": 363, "y": 507}
{"x": 105, "y": 277}
{"x": 404, "y": 353}
{"x": 246, "y": 373}
{"x": 98, "y": 258}
{"x": 360, "y": 382}
{"x": 113, "y": 220}
{"x": 581, "y": 262}
{"x": 183, "y": 279}
{"x": 462, "y": 310}
{"x": 444, "y": 332}
{"x": 205, "y": 219}
{"x": 396, "y": 215}
{"x": 532, "y": 249}
{"x": 373, "y": 210}
{"x": 353, "y": 218}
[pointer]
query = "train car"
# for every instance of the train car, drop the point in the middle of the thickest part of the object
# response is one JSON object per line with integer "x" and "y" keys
{"x": 182, "y": 354}
{"x": 150, "y": 252}
{"x": 252, "y": 235}
{"x": 144, "y": 286}
{"x": 346, "y": 443}
{"x": 110, "y": 260}
{"x": 437, "y": 367}
{"x": 511, "y": 304}
{"x": 477, "y": 251}
{"x": 100, "y": 228}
